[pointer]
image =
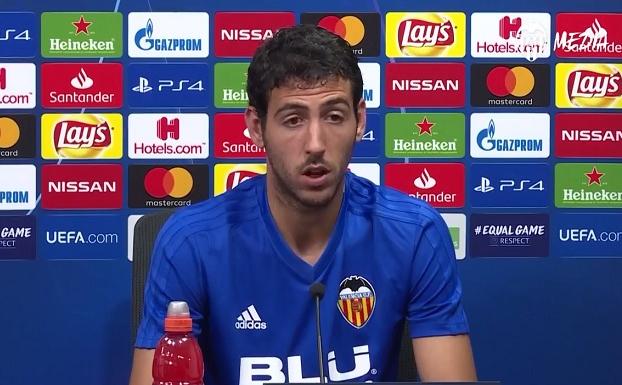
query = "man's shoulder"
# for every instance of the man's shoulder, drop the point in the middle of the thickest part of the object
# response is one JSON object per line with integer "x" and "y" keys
{"x": 386, "y": 203}
{"x": 215, "y": 216}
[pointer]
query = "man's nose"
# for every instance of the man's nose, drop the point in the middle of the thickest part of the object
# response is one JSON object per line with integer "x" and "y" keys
{"x": 316, "y": 140}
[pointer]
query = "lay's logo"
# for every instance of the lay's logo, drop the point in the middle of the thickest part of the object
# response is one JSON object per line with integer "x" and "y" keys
{"x": 425, "y": 34}
{"x": 590, "y": 85}
{"x": 82, "y": 136}
{"x": 229, "y": 176}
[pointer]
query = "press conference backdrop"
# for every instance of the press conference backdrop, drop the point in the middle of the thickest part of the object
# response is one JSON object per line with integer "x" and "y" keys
{"x": 507, "y": 121}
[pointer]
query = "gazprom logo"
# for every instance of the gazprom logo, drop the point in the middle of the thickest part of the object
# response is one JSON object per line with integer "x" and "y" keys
{"x": 146, "y": 42}
{"x": 487, "y": 142}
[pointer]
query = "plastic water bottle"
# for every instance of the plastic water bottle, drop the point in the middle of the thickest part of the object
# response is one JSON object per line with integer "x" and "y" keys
{"x": 178, "y": 359}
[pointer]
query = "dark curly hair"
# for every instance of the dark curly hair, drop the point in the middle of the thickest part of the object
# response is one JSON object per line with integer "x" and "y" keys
{"x": 304, "y": 53}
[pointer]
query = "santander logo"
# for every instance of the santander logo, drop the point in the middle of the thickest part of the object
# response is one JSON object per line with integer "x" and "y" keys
{"x": 423, "y": 33}
{"x": 82, "y": 81}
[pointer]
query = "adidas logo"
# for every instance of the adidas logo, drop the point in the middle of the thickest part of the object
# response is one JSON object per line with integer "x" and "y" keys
{"x": 249, "y": 319}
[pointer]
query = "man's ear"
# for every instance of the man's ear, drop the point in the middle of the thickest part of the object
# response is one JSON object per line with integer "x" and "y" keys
{"x": 253, "y": 125}
{"x": 362, "y": 119}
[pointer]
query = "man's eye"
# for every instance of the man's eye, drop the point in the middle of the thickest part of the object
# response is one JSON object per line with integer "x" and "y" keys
{"x": 293, "y": 121}
{"x": 335, "y": 118}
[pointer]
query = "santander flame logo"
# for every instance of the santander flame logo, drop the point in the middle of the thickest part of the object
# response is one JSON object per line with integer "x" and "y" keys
{"x": 423, "y": 33}
{"x": 82, "y": 81}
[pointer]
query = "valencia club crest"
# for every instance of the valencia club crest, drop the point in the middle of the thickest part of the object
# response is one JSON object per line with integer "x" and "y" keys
{"x": 357, "y": 300}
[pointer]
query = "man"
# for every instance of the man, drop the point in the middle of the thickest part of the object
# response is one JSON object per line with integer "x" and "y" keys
{"x": 244, "y": 261}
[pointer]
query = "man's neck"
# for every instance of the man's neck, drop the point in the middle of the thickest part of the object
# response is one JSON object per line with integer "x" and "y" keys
{"x": 306, "y": 230}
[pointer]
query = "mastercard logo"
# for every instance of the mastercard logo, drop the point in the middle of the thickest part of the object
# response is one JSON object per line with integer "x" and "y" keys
{"x": 503, "y": 81}
{"x": 176, "y": 182}
{"x": 9, "y": 132}
{"x": 349, "y": 28}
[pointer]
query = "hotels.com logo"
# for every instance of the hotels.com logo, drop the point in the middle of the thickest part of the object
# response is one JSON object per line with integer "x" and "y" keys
{"x": 82, "y": 85}
{"x": 593, "y": 35}
{"x": 82, "y": 186}
{"x": 439, "y": 184}
{"x": 170, "y": 136}
{"x": 233, "y": 138}
{"x": 516, "y": 35}
{"x": 238, "y": 34}
{"x": 17, "y": 85}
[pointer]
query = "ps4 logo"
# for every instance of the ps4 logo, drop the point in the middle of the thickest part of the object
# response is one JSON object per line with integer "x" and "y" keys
{"x": 486, "y": 186}
{"x": 12, "y": 34}
{"x": 169, "y": 85}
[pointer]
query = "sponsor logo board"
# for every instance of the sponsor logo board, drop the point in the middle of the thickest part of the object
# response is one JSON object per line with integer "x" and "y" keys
{"x": 158, "y": 186}
{"x": 425, "y": 34}
{"x": 588, "y": 35}
{"x": 238, "y": 34}
{"x": 17, "y": 136}
{"x": 509, "y": 235}
{"x": 78, "y": 237}
{"x": 429, "y": 135}
{"x": 588, "y": 135}
{"x": 456, "y": 223}
{"x": 233, "y": 139}
{"x": 370, "y": 144}
{"x": 81, "y": 136}
{"x": 230, "y": 85}
{"x": 168, "y": 34}
{"x": 82, "y": 85}
{"x": 509, "y": 135}
{"x": 511, "y": 35}
{"x": 424, "y": 84}
{"x": 439, "y": 184}
{"x": 18, "y": 237}
{"x": 18, "y": 85}
{"x": 81, "y": 34}
{"x": 588, "y": 85}
{"x": 174, "y": 85}
{"x": 18, "y": 35}
{"x": 588, "y": 185}
{"x": 81, "y": 186}
{"x": 510, "y": 85}
{"x": 229, "y": 176}
{"x": 168, "y": 136}
{"x": 509, "y": 184}
{"x": 587, "y": 235}
{"x": 360, "y": 30}
{"x": 18, "y": 187}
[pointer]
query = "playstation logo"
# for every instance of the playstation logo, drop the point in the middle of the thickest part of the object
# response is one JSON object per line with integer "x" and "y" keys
{"x": 484, "y": 186}
{"x": 143, "y": 86}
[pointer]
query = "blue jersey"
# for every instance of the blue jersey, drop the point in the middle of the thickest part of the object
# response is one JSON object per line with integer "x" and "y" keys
{"x": 389, "y": 260}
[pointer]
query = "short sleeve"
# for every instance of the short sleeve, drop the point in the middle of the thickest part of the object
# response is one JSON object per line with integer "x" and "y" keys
{"x": 175, "y": 275}
{"x": 435, "y": 306}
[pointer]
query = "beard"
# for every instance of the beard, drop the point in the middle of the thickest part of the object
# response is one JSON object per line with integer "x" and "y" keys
{"x": 286, "y": 185}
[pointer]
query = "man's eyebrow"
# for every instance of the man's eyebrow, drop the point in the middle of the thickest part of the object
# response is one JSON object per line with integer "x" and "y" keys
{"x": 290, "y": 106}
{"x": 335, "y": 101}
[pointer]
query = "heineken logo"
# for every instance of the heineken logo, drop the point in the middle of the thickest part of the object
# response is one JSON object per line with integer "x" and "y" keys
{"x": 230, "y": 85}
{"x": 424, "y": 135}
{"x": 588, "y": 185}
{"x": 90, "y": 34}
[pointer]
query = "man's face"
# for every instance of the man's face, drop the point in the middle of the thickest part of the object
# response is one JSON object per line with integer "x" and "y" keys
{"x": 309, "y": 134}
